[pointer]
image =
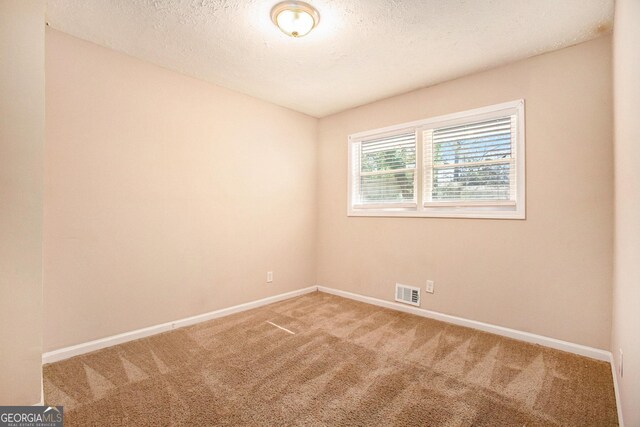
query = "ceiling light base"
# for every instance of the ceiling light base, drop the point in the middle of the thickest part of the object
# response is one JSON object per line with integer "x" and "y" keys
{"x": 295, "y": 18}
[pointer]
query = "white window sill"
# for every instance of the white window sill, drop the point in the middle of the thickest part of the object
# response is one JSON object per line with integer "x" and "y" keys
{"x": 484, "y": 212}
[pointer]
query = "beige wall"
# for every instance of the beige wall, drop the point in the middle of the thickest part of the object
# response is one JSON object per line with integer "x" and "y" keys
{"x": 159, "y": 206}
{"x": 549, "y": 274}
{"x": 21, "y": 151}
{"x": 165, "y": 196}
{"x": 626, "y": 297}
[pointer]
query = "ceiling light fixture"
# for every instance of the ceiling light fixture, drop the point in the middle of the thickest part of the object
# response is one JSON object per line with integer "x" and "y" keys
{"x": 295, "y": 18}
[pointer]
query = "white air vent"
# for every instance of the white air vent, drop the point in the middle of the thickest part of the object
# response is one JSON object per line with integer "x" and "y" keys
{"x": 407, "y": 294}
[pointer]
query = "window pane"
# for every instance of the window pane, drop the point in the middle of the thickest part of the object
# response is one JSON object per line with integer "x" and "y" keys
{"x": 482, "y": 182}
{"x": 474, "y": 142}
{"x": 476, "y": 150}
{"x": 387, "y": 169}
{"x": 398, "y": 152}
{"x": 472, "y": 161}
{"x": 387, "y": 188}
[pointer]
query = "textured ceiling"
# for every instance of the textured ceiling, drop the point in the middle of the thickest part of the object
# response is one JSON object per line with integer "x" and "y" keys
{"x": 363, "y": 50}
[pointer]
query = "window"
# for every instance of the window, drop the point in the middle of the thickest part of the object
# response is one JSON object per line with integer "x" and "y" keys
{"x": 468, "y": 164}
{"x": 386, "y": 172}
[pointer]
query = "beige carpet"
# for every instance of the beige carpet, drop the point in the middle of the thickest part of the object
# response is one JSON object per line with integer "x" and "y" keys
{"x": 346, "y": 363}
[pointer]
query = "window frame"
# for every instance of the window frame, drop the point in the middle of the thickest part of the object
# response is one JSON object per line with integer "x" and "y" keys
{"x": 417, "y": 176}
{"x": 448, "y": 209}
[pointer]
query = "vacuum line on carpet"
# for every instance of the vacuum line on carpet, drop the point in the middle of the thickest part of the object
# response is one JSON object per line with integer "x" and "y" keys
{"x": 278, "y": 326}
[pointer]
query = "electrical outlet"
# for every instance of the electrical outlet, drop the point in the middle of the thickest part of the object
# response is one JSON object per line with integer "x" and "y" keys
{"x": 621, "y": 364}
{"x": 269, "y": 276}
{"x": 429, "y": 286}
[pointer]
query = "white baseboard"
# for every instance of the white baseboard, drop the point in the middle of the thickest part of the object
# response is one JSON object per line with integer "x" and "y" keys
{"x": 557, "y": 344}
{"x": 616, "y": 390}
{"x": 75, "y": 350}
{"x": 582, "y": 350}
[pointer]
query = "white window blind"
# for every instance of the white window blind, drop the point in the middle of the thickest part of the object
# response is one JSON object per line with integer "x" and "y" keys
{"x": 471, "y": 163}
{"x": 384, "y": 171}
{"x": 463, "y": 165}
